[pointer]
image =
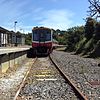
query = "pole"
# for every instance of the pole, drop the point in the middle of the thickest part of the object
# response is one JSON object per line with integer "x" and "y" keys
{"x": 15, "y": 26}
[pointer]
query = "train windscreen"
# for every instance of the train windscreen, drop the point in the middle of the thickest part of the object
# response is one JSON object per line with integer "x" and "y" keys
{"x": 35, "y": 36}
{"x": 41, "y": 35}
{"x": 48, "y": 36}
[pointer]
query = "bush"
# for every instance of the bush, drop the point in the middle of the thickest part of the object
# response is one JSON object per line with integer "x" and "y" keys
{"x": 96, "y": 51}
{"x": 80, "y": 45}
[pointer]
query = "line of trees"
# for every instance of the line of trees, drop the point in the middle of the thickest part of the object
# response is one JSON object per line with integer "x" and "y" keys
{"x": 82, "y": 39}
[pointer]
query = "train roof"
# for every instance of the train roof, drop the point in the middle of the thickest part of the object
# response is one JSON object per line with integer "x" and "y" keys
{"x": 36, "y": 28}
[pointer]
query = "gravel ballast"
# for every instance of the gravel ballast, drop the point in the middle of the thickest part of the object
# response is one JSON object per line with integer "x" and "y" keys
{"x": 45, "y": 83}
{"x": 9, "y": 84}
{"x": 84, "y": 72}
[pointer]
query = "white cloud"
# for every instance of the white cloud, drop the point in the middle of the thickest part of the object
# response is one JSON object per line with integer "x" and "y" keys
{"x": 11, "y": 11}
{"x": 57, "y": 19}
{"x": 30, "y": 16}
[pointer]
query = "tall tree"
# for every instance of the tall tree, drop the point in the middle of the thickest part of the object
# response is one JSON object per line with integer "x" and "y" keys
{"x": 89, "y": 27}
{"x": 97, "y": 31}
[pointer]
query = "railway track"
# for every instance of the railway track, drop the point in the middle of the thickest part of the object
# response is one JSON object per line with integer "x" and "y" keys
{"x": 46, "y": 81}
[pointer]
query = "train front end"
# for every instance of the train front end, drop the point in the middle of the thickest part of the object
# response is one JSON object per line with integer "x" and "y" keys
{"x": 42, "y": 41}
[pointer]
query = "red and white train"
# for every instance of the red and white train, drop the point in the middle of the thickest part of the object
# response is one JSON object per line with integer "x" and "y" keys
{"x": 42, "y": 40}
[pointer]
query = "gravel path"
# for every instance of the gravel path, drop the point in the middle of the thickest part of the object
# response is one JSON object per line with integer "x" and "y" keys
{"x": 45, "y": 83}
{"x": 84, "y": 72}
{"x": 10, "y": 83}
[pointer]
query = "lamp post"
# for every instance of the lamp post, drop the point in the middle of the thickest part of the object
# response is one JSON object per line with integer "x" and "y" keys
{"x": 15, "y": 26}
{"x": 15, "y": 32}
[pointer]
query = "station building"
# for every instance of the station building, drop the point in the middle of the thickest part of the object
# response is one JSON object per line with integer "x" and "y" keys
{"x": 10, "y": 38}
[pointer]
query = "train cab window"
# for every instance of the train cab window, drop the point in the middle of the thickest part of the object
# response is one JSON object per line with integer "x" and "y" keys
{"x": 35, "y": 36}
{"x": 41, "y": 35}
{"x": 48, "y": 36}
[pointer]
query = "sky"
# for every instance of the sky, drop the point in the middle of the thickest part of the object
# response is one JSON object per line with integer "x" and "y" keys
{"x": 56, "y": 14}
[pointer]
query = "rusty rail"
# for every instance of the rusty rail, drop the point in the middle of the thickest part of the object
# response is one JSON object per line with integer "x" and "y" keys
{"x": 79, "y": 94}
{"x": 22, "y": 83}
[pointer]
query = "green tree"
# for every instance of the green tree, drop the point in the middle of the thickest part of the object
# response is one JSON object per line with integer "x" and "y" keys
{"x": 28, "y": 39}
{"x": 89, "y": 27}
{"x": 97, "y": 31}
{"x": 73, "y": 36}
{"x": 59, "y": 36}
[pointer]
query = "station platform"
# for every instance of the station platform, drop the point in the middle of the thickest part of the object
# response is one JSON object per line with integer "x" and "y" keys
{"x": 7, "y": 50}
{"x": 12, "y": 57}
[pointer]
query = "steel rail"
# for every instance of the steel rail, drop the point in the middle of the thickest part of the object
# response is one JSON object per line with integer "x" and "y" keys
{"x": 79, "y": 94}
{"x": 22, "y": 83}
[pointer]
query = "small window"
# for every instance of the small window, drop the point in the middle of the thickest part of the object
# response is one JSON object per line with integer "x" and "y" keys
{"x": 35, "y": 36}
{"x": 48, "y": 36}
